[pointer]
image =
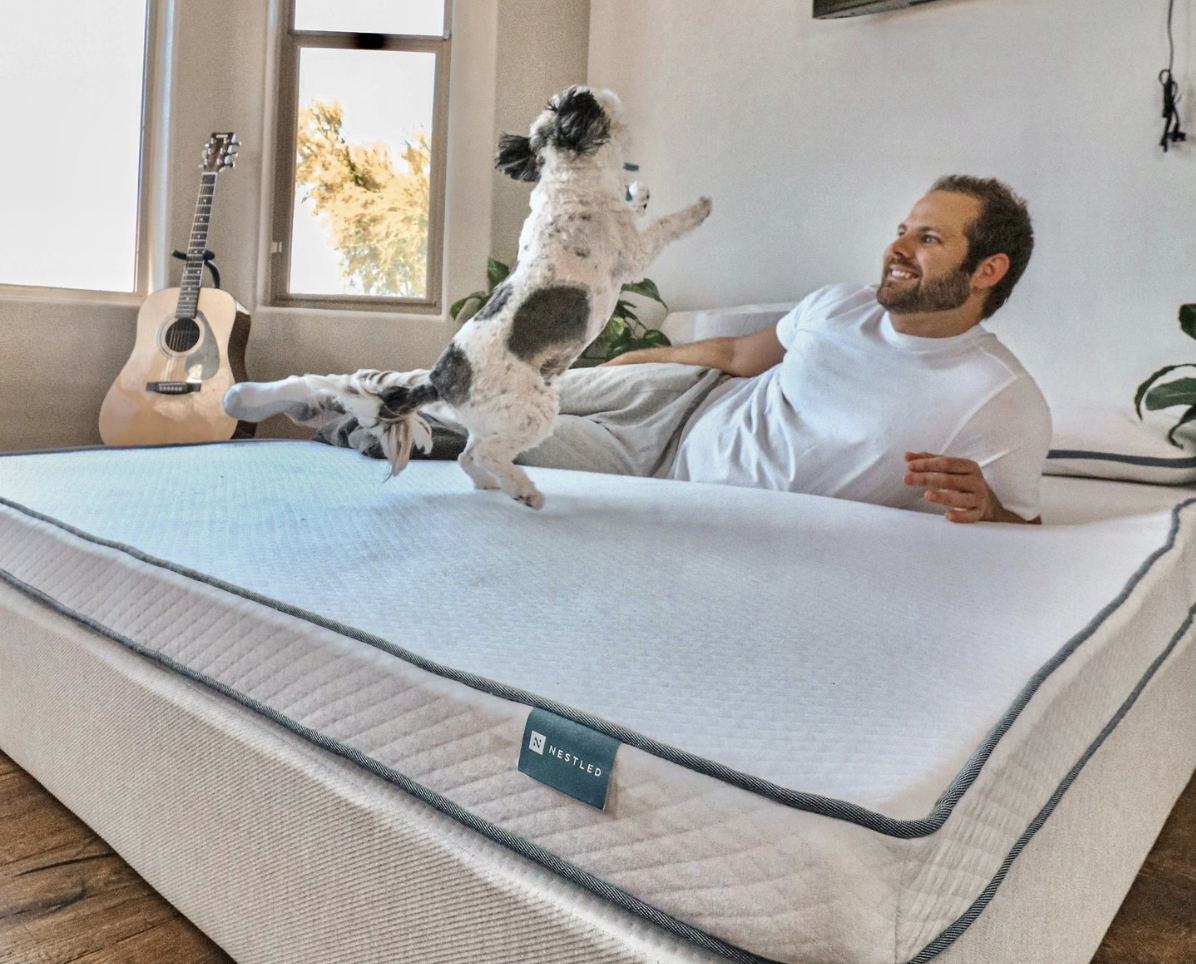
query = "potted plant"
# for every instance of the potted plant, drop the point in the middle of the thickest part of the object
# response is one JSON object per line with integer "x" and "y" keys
{"x": 1178, "y": 391}
{"x": 623, "y": 332}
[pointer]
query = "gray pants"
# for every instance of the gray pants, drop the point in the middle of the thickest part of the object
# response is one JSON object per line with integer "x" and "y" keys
{"x": 621, "y": 421}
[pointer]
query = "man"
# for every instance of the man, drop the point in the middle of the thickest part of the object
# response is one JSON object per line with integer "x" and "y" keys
{"x": 853, "y": 381}
{"x": 893, "y": 395}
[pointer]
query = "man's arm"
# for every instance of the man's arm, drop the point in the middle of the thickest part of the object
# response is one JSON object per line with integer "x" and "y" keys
{"x": 744, "y": 356}
{"x": 959, "y": 485}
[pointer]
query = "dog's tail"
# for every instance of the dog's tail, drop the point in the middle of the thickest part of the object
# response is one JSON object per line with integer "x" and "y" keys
{"x": 396, "y": 404}
{"x": 386, "y": 404}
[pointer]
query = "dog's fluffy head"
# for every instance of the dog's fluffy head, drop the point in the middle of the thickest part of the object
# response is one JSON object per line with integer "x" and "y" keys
{"x": 577, "y": 121}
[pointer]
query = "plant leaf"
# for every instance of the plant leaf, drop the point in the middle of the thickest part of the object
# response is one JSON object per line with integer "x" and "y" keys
{"x": 496, "y": 272}
{"x": 615, "y": 328}
{"x": 1187, "y": 320}
{"x": 1141, "y": 393}
{"x": 480, "y": 297}
{"x": 620, "y": 346}
{"x": 654, "y": 338}
{"x": 1182, "y": 391}
{"x": 470, "y": 311}
{"x": 647, "y": 288}
{"x": 1188, "y": 416}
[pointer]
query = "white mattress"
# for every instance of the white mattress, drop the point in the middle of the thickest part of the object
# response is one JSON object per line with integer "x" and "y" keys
{"x": 817, "y": 764}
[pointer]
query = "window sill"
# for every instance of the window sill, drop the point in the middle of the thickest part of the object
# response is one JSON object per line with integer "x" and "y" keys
{"x": 25, "y": 294}
{"x": 356, "y": 314}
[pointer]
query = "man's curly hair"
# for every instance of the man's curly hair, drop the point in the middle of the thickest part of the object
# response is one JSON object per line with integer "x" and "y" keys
{"x": 1002, "y": 227}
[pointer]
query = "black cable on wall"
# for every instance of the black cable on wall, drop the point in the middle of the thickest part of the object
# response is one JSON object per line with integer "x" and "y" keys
{"x": 1171, "y": 97}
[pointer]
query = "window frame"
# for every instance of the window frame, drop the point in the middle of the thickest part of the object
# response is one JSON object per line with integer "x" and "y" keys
{"x": 293, "y": 41}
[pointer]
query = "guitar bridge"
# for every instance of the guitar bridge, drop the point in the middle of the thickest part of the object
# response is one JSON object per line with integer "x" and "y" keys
{"x": 173, "y": 388}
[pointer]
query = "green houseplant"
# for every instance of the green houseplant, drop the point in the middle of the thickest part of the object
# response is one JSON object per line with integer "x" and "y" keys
{"x": 623, "y": 332}
{"x": 1178, "y": 391}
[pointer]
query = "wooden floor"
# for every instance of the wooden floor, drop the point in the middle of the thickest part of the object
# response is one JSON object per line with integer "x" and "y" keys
{"x": 66, "y": 897}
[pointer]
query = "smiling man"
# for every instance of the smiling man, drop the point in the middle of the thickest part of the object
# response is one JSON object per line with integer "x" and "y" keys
{"x": 894, "y": 395}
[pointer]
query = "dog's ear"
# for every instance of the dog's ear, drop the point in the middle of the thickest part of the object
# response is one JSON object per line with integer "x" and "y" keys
{"x": 516, "y": 159}
{"x": 580, "y": 125}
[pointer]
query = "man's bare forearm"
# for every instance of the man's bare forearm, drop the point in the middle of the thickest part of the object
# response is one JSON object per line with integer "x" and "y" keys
{"x": 709, "y": 353}
{"x": 744, "y": 356}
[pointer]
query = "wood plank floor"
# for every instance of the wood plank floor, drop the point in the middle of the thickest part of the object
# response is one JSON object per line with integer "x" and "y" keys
{"x": 65, "y": 897}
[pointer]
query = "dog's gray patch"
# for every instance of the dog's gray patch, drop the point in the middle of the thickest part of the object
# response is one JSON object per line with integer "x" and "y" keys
{"x": 452, "y": 376}
{"x": 399, "y": 401}
{"x": 498, "y": 301}
{"x": 344, "y": 428}
{"x": 548, "y": 317}
{"x": 372, "y": 448}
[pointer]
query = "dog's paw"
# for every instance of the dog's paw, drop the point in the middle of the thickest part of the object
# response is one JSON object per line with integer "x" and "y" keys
{"x": 533, "y": 499}
{"x": 703, "y": 207}
{"x": 637, "y": 196}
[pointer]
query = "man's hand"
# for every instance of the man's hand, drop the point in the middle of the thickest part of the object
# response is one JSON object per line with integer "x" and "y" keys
{"x": 958, "y": 484}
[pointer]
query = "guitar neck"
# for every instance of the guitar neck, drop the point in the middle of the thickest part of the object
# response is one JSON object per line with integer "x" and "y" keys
{"x": 193, "y": 271}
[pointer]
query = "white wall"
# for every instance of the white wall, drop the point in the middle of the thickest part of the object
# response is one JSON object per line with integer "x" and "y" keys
{"x": 815, "y": 137}
{"x": 542, "y": 49}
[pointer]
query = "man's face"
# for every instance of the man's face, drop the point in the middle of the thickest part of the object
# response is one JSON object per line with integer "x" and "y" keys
{"x": 923, "y": 267}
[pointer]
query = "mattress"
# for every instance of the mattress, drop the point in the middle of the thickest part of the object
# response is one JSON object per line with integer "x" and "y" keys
{"x": 837, "y": 726}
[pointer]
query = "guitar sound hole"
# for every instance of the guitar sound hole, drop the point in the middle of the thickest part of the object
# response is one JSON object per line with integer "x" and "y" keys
{"x": 182, "y": 335}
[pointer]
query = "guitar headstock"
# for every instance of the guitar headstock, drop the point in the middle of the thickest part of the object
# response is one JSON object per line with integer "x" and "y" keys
{"x": 220, "y": 152}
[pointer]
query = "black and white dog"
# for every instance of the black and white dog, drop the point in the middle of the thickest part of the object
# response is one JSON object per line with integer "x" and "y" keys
{"x": 578, "y": 246}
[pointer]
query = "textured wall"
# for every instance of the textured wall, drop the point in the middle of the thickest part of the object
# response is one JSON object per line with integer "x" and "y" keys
{"x": 542, "y": 48}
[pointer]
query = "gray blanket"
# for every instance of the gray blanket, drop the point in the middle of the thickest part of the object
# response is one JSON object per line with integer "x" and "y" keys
{"x": 625, "y": 420}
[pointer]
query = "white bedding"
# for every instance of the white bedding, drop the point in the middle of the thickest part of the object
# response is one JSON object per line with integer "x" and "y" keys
{"x": 824, "y": 698}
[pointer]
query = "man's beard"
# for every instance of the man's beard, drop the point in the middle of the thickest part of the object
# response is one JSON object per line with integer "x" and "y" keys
{"x": 941, "y": 294}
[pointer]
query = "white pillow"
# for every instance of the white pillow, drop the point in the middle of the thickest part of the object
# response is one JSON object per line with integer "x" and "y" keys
{"x": 1109, "y": 442}
{"x": 687, "y": 326}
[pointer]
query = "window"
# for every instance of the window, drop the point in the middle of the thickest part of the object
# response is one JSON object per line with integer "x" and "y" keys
{"x": 359, "y": 184}
{"x": 73, "y": 76}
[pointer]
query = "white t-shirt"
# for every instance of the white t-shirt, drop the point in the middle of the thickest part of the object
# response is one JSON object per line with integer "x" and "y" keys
{"x": 852, "y": 395}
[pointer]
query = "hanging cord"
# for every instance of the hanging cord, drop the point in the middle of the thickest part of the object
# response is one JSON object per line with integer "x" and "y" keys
{"x": 1171, "y": 97}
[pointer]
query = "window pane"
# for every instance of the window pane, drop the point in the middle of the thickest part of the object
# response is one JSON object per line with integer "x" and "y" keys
{"x": 363, "y": 163}
{"x": 72, "y": 73}
{"x": 423, "y": 18}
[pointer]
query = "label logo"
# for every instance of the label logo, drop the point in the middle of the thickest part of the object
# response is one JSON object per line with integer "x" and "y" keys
{"x": 568, "y": 757}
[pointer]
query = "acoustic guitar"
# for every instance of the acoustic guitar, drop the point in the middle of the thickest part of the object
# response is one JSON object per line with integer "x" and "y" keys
{"x": 190, "y": 347}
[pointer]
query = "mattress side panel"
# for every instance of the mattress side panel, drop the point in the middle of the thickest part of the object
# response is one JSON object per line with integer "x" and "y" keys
{"x": 1077, "y": 706}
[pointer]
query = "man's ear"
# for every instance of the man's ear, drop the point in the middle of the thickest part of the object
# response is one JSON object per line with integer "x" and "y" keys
{"x": 990, "y": 271}
{"x": 516, "y": 159}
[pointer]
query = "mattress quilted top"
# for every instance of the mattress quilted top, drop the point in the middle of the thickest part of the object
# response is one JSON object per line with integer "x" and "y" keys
{"x": 852, "y": 651}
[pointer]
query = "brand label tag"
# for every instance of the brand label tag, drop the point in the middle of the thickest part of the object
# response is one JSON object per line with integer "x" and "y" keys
{"x": 568, "y": 757}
